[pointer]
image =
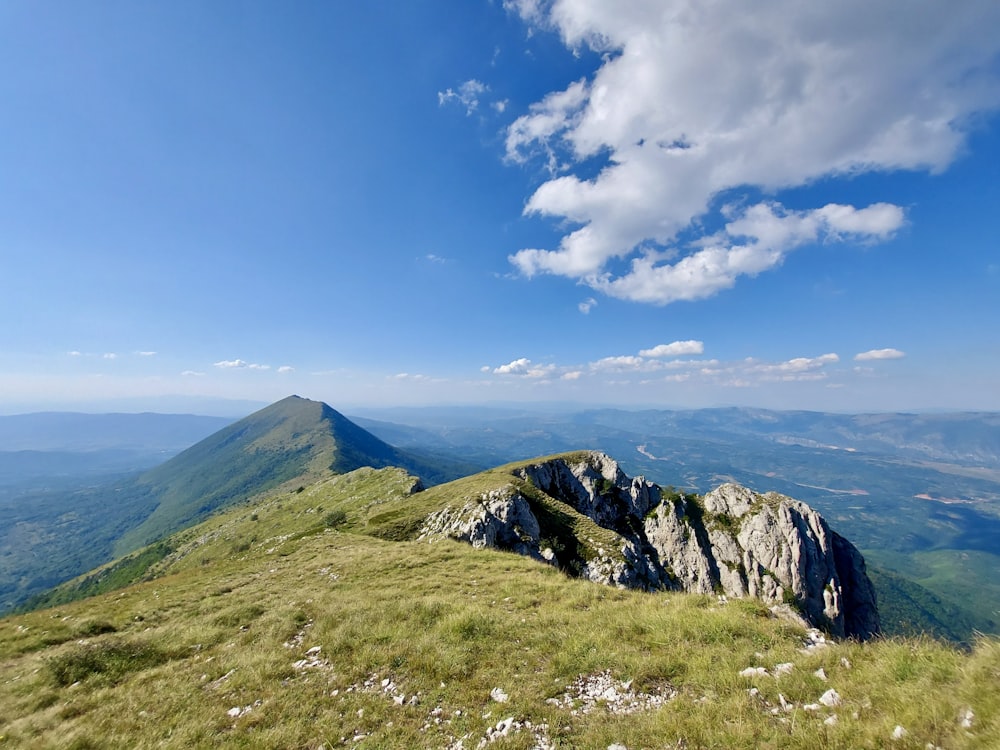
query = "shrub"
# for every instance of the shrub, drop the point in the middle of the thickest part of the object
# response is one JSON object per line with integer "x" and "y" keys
{"x": 335, "y": 518}
{"x": 113, "y": 659}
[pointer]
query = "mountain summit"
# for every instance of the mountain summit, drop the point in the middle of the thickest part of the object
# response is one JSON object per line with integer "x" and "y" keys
{"x": 293, "y": 442}
{"x": 292, "y": 439}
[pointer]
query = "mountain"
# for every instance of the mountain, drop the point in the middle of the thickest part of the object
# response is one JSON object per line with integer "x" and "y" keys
{"x": 55, "y": 536}
{"x": 320, "y": 617}
{"x": 918, "y": 494}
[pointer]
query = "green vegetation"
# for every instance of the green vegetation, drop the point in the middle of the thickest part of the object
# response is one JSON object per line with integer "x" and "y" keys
{"x": 54, "y": 536}
{"x": 413, "y": 637}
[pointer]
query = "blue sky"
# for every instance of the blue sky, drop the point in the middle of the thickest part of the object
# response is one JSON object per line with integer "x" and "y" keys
{"x": 384, "y": 203}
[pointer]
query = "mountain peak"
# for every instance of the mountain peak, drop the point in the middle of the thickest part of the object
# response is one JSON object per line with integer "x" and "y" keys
{"x": 294, "y": 439}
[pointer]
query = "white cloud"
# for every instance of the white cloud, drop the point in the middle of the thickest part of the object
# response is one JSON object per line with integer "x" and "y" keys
{"x": 110, "y": 355}
{"x": 799, "y": 368}
{"x": 526, "y": 368}
{"x": 192, "y": 374}
{"x": 587, "y": 305}
{"x": 500, "y": 106}
{"x": 74, "y": 353}
{"x": 146, "y": 354}
{"x": 517, "y": 367}
{"x": 572, "y": 375}
{"x": 694, "y": 100}
{"x": 618, "y": 364}
{"x": 285, "y": 369}
{"x": 674, "y": 349}
{"x": 879, "y": 354}
{"x": 467, "y": 95}
{"x": 239, "y": 364}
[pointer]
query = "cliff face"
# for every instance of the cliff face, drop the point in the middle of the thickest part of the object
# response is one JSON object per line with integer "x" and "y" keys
{"x": 733, "y": 541}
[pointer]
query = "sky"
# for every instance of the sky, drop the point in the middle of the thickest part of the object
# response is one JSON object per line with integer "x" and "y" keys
{"x": 657, "y": 203}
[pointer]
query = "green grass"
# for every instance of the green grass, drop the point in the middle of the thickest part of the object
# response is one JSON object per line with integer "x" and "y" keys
{"x": 205, "y": 655}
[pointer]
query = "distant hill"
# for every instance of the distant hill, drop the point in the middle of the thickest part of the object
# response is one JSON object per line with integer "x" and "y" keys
{"x": 54, "y": 536}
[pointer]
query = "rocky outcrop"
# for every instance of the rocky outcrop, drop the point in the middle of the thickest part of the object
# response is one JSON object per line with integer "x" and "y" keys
{"x": 732, "y": 541}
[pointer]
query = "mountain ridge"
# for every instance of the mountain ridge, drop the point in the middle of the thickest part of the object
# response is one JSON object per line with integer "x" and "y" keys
{"x": 316, "y": 618}
{"x": 294, "y": 440}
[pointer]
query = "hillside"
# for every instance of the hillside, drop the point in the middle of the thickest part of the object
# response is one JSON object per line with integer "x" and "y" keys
{"x": 312, "y": 618}
{"x": 919, "y": 494}
{"x": 52, "y": 537}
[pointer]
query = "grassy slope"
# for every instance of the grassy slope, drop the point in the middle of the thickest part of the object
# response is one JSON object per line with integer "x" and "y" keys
{"x": 163, "y": 663}
{"x": 292, "y": 439}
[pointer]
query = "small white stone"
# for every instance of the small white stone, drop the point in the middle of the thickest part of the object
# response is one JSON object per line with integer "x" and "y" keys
{"x": 314, "y": 650}
{"x": 844, "y": 662}
{"x": 786, "y": 668}
{"x": 830, "y": 698}
{"x": 754, "y": 672}
{"x": 899, "y": 732}
{"x": 831, "y": 720}
{"x": 499, "y": 695}
{"x": 811, "y": 707}
{"x": 966, "y": 718}
{"x": 234, "y": 711}
{"x": 821, "y": 673}
{"x": 616, "y": 746}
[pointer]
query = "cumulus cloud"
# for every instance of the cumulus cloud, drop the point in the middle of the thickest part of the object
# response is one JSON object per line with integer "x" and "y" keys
{"x": 192, "y": 374}
{"x": 285, "y": 369}
{"x": 524, "y": 367}
{"x": 467, "y": 95}
{"x": 698, "y": 100}
{"x": 879, "y": 354}
{"x": 675, "y": 349}
{"x": 587, "y": 305}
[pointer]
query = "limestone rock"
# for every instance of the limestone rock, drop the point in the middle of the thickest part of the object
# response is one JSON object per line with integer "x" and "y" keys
{"x": 733, "y": 541}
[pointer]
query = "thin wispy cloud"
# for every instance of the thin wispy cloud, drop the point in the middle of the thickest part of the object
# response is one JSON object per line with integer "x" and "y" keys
{"x": 466, "y": 95}
{"x": 239, "y": 364}
{"x": 876, "y": 354}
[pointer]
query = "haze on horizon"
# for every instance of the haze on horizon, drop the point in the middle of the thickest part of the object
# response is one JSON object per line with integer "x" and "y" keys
{"x": 676, "y": 204}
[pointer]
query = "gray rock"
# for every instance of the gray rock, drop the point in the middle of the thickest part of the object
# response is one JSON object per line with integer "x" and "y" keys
{"x": 733, "y": 541}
